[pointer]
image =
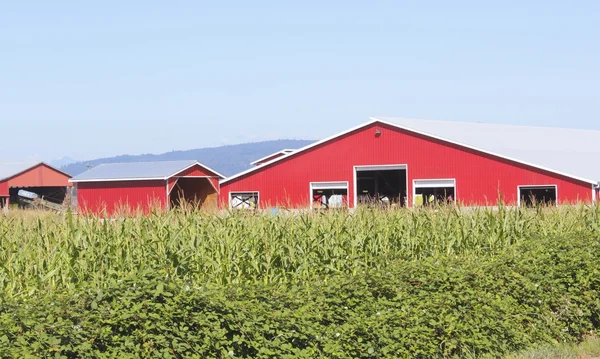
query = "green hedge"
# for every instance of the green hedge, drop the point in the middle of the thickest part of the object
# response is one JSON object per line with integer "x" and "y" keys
{"x": 541, "y": 291}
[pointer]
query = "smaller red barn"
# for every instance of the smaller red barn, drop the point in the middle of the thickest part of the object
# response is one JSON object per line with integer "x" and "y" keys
{"x": 46, "y": 181}
{"x": 108, "y": 188}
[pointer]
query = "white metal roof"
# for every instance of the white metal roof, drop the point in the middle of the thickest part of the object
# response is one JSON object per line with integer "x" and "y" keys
{"x": 574, "y": 153}
{"x": 132, "y": 171}
{"x": 11, "y": 169}
{"x": 282, "y": 152}
{"x": 569, "y": 152}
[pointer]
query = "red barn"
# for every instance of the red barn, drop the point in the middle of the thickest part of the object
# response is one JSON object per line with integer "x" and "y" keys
{"x": 404, "y": 162}
{"x": 4, "y": 197}
{"x": 40, "y": 178}
{"x": 111, "y": 187}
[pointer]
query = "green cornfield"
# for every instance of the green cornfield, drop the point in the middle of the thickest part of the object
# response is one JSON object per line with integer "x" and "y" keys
{"x": 43, "y": 251}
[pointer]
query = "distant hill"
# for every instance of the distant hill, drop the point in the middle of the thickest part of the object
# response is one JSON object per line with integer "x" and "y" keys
{"x": 228, "y": 160}
{"x": 62, "y": 162}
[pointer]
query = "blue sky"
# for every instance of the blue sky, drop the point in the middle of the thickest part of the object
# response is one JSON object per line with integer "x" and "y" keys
{"x": 89, "y": 80}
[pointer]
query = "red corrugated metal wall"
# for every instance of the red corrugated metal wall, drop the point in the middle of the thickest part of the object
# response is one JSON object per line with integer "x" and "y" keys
{"x": 40, "y": 176}
{"x": 4, "y": 189}
{"x": 94, "y": 197}
{"x": 479, "y": 177}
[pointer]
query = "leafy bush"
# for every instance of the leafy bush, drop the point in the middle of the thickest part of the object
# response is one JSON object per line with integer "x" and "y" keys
{"x": 540, "y": 290}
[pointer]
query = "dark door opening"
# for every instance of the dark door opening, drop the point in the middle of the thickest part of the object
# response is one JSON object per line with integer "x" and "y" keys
{"x": 51, "y": 194}
{"x": 326, "y": 198}
{"x": 193, "y": 191}
{"x": 381, "y": 187}
{"x": 532, "y": 196}
{"x": 436, "y": 195}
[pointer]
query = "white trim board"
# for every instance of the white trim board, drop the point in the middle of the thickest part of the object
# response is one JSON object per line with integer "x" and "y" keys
{"x": 139, "y": 179}
{"x": 361, "y": 168}
{"x": 373, "y": 120}
{"x": 167, "y": 198}
{"x": 434, "y": 183}
{"x": 537, "y": 186}
{"x": 122, "y": 179}
{"x": 329, "y": 185}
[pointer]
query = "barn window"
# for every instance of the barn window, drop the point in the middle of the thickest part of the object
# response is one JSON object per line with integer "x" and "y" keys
{"x": 530, "y": 196}
{"x": 434, "y": 191}
{"x": 327, "y": 195}
{"x": 243, "y": 200}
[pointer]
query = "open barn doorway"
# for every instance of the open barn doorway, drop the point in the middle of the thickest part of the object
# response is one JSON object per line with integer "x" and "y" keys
{"x": 532, "y": 196}
{"x": 55, "y": 195}
{"x": 383, "y": 186}
{"x": 197, "y": 192}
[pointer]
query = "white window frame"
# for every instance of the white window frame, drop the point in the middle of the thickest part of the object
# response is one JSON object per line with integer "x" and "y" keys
{"x": 375, "y": 168}
{"x": 536, "y": 186}
{"x": 327, "y": 185}
{"x": 231, "y": 193}
{"x": 433, "y": 183}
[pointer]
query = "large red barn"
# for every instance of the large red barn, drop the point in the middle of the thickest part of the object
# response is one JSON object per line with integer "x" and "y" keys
{"x": 408, "y": 162}
{"x": 46, "y": 181}
{"x": 109, "y": 188}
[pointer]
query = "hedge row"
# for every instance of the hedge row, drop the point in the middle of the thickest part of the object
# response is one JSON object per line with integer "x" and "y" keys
{"x": 541, "y": 291}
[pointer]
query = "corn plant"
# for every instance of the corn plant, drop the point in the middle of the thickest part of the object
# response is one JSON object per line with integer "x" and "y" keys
{"x": 43, "y": 251}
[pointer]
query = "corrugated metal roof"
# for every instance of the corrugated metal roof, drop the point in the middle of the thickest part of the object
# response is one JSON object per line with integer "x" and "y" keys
{"x": 135, "y": 170}
{"x": 571, "y": 152}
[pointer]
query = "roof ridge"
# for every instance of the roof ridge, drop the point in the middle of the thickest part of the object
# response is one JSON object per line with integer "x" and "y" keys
{"x": 386, "y": 118}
